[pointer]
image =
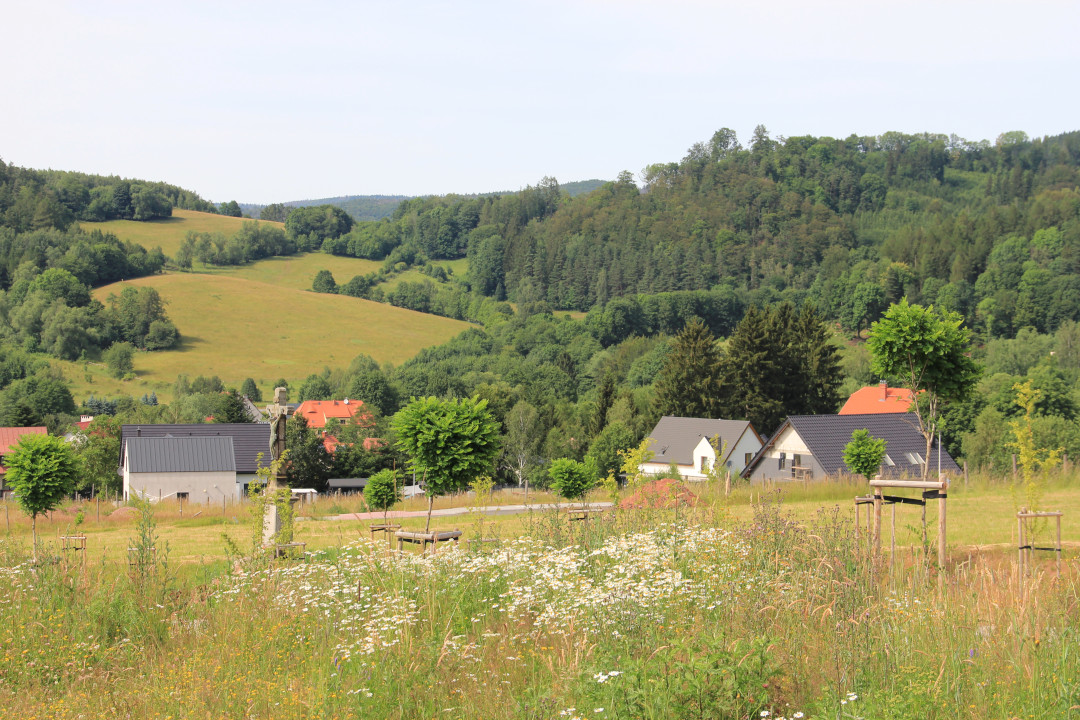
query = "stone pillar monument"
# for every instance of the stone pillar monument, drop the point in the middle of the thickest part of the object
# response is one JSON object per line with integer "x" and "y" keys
{"x": 278, "y": 413}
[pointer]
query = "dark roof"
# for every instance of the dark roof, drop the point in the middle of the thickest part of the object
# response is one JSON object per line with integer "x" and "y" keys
{"x": 674, "y": 438}
{"x": 827, "y": 435}
{"x": 248, "y": 439}
{"x": 180, "y": 454}
{"x": 347, "y": 483}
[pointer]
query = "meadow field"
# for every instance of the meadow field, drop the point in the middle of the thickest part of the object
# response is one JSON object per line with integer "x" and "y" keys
{"x": 758, "y": 605}
{"x": 169, "y": 233}
{"x": 235, "y": 327}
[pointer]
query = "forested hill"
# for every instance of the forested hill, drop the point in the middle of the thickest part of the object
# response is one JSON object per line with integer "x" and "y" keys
{"x": 376, "y": 207}
{"x": 988, "y": 229}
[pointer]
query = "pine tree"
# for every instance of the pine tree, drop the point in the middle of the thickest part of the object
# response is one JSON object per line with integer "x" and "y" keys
{"x": 753, "y": 366}
{"x": 689, "y": 383}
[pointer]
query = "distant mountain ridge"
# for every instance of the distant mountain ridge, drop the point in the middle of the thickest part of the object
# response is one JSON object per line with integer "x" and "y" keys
{"x": 377, "y": 207}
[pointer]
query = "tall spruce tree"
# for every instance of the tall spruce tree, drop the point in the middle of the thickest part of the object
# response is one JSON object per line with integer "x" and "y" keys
{"x": 783, "y": 363}
{"x": 754, "y": 367}
{"x": 689, "y": 383}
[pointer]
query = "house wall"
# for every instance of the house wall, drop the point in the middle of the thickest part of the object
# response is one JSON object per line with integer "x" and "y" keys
{"x": 748, "y": 443}
{"x": 790, "y": 444}
{"x": 200, "y": 486}
{"x": 686, "y": 471}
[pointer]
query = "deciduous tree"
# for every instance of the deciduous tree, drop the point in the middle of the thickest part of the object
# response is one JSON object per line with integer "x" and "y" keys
{"x": 42, "y": 472}
{"x": 924, "y": 350}
{"x": 450, "y": 442}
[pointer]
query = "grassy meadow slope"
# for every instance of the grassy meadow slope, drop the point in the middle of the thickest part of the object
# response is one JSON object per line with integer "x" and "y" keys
{"x": 236, "y": 327}
{"x": 169, "y": 233}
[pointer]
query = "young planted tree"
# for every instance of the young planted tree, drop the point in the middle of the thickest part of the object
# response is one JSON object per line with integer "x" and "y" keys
{"x": 382, "y": 491}
{"x": 864, "y": 454}
{"x": 924, "y": 350}
{"x": 571, "y": 479}
{"x": 41, "y": 472}
{"x": 450, "y": 442}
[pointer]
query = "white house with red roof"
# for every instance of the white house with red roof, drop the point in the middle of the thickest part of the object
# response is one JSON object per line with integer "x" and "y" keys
{"x": 9, "y": 438}
{"x": 317, "y": 413}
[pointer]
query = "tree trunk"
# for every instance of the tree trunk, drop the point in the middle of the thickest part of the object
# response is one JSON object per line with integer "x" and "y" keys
{"x": 526, "y": 489}
{"x": 33, "y": 527}
{"x": 430, "y": 502}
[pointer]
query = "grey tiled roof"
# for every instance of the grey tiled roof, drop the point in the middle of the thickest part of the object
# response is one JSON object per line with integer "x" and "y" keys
{"x": 249, "y": 439}
{"x": 827, "y": 435}
{"x": 674, "y": 438}
{"x": 180, "y": 454}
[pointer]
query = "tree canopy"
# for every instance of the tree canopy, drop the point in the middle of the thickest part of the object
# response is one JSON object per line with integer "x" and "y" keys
{"x": 450, "y": 442}
{"x": 926, "y": 351}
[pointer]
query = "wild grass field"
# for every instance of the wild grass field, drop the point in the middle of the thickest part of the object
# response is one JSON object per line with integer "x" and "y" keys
{"x": 169, "y": 233}
{"x": 736, "y": 608}
{"x": 235, "y": 327}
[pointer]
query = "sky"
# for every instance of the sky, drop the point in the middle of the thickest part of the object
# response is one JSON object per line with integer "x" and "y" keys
{"x": 269, "y": 102}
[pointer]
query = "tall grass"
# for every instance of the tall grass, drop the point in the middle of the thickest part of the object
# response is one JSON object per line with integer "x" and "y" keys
{"x": 725, "y": 610}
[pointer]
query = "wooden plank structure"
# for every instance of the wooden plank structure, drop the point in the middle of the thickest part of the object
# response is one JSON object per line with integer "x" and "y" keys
{"x": 423, "y": 539}
{"x": 133, "y": 556}
{"x": 74, "y": 543}
{"x": 932, "y": 490}
{"x": 1025, "y": 539}
{"x": 384, "y": 528}
{"x": 575, "y": 514}
{"x": 290, "y": 550}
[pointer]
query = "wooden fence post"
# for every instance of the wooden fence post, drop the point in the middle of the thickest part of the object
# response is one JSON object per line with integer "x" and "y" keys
{"x": 965, "y": 474}
{"x": 941, "y": 524}
{"x": 877, "y": 521}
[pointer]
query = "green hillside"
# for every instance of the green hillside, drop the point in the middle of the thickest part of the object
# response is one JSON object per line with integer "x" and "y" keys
{"x": 235, "y": 327}
{"x": 168, "y": 233}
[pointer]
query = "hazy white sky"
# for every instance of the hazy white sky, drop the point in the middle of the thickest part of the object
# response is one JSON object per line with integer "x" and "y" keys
{"x": 264, "y": 102}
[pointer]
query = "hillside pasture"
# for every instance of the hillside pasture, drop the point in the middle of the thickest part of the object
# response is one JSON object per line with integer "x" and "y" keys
{"x": 169, "y": 233}
{"x": 236, "y": 328}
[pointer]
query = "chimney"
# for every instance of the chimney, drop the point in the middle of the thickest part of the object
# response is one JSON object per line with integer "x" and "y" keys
{"x": 884, "y": 390}
{"x": 346, "y": 401}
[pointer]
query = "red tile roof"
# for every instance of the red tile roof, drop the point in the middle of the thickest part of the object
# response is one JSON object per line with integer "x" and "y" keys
{"x": 877, "y": 399}
{"x": 9, "y": 438}
{"x": 317, "y": 412}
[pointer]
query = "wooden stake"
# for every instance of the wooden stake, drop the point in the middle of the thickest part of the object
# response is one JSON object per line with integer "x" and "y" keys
{"x": 1058, "y": 551}
{"x": 877, "y": 522}
{"x": 1020, "y": 544}
{"x": 965, "y": 474}
{"x": 892, "y": 539}
{"x": 941, "y": 528}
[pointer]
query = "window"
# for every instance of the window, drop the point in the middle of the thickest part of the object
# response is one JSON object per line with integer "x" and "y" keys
{"x": 783, "y": 461}
{"x": 888, "y": 460}
{"x": 746, "y": 458}
{"x": 796, "y": 460}
{"x": 181, "y": 496}
{"x": 914, "y": 458}
{"x": 704, "y": 463}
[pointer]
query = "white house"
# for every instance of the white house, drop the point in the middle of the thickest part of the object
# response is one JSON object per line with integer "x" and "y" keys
{"x": 195, "y": 469}
{"x": 685, "y": 443}
{"x": 805, "y": 447}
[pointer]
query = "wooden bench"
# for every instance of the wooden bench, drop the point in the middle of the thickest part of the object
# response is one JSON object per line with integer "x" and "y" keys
{"x": 423, "y": 539}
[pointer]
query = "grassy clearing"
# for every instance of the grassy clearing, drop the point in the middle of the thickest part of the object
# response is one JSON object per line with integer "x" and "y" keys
{"x": 732, "y": 609}
{"x": 235, "y": 328}
{"x": 169, "y": 233}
